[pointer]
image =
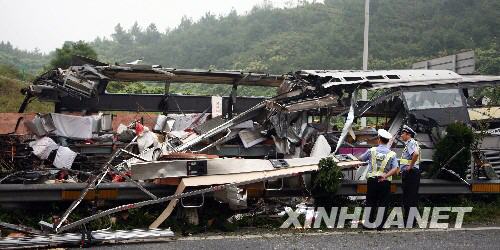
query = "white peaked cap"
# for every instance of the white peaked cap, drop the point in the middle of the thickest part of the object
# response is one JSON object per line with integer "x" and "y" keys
{"x": 409, "y": 130}
{"x": 384, "y": 134}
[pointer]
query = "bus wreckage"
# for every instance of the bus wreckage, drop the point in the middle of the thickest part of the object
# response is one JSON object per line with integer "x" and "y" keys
{"x": 230, "y": 148}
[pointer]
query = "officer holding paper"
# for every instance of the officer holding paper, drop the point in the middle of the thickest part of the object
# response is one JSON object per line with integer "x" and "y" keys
{"x": 382, "y": 164}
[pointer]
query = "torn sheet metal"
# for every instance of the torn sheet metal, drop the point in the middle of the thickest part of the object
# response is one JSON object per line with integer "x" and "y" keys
{"x": 280, "y": 123}
{"x": 231, "y": 134}
{"x": 377, "y": 100}
{"x": 250, "y": 138}
{"x": 308, "y": 104}
{"x": 35, "y": 126}
{"x": 437, "y": 79}
{"x": 282, "y": 145}
{"x": 296, "y": 166}
{"x": 321, "y": 148}
{"x": 234, "y": 196}
{"x": 187, "y": 121}
{"x": 20, "y": 228}
{"x": 386, "y": 79}
{"x": 209, "y": 124}
{"x": 296, "y": 129}
{"x": 164, "y": 123}
{"x": 248, "y": 114}
{"x": 348, "y": 123}
{"x": 96, "y": 123}
{"x": 106, "y": 123}
{"x": 246, "y": 124}
{"x": 157, "y": 73}
{"x": 47, "y": 123}
{"x": 77, "y": 81}
{"x": 182, "y": 122}
{"x": 148, "y": 154}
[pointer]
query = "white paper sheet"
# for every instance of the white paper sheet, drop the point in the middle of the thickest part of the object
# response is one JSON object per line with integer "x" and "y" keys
{"x": 43, "y": 146}
{"x": 64, "y": 158}
{"x": 77, "y": 127}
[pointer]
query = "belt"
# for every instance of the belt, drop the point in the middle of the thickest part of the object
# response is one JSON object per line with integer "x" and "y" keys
{"x": 407, "y": 161}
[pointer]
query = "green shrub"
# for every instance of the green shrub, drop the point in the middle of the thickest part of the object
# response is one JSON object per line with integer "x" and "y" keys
{"x": 329, "y": 176}
{"x": 458, "y": 135}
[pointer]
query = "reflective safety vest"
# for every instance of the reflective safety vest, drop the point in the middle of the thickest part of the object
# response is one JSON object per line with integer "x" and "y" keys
{"x": 403, "y": 161}
{"x": 377, "y": 170}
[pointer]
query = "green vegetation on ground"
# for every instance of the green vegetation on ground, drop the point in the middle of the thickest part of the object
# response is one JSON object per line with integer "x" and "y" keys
{"x": 10, "y": 92}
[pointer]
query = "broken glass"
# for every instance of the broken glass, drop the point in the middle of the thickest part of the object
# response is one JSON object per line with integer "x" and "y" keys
{"x": 432, "y": 99}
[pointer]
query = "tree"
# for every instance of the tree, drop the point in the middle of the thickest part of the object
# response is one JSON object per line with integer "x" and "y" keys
{"x": 121, "y": 36}
{"x": 63, "y": 56}
{"x": 488, "y": 63}
{"x": 152, "y": 34}
{"x": 136, "y": 32}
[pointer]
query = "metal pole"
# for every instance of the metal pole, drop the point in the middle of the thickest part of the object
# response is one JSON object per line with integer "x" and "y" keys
{"x": 364, "y": 92}
{"x": 93, "y": 183}
{"x": 367, "y": 26}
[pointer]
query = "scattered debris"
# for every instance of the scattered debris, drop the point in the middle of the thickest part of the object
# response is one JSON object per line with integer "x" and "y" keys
{"x": 219, "y": 146}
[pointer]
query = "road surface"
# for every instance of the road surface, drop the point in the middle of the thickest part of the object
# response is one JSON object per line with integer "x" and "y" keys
{"x": 472, "y": 238}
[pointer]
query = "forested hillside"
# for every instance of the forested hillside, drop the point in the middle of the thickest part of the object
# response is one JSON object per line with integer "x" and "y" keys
{"x": 27, "y": 62}
{"x": 319, "y": 36}
{"x": 325, "y": 35}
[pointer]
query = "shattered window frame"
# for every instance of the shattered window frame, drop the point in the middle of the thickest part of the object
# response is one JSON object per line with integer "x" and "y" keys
{"x": 433, "y": 99}
{"x": 436, "y": 116}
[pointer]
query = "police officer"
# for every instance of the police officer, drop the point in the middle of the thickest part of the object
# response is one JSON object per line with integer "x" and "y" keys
{"x": 382, "y": 164}
{"x": 410, "y": 172}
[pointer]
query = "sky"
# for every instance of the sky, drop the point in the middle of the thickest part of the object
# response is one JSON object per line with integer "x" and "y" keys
{"x": 45, "y": 25}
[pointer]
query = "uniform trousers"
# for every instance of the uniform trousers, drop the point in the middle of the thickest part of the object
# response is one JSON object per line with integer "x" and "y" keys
{"x": 378, "y": 195}
{"x": 410, "y": 184}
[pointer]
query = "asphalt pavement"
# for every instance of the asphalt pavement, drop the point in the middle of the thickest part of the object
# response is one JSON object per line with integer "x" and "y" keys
{"x": 466, "y": 238}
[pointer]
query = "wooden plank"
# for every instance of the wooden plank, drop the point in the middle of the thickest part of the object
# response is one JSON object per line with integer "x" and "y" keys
{"x": 168, "y": 210}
